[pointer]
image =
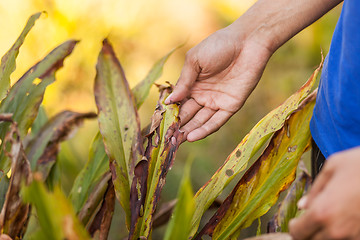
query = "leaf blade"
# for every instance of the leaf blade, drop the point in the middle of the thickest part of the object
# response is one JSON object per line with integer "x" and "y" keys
{"x": 8, "y": 61}
{"x": 25, "y": 97}
{"x": 184, "y": 209}
{"x": 238, "y": 159}
{"x": 118, "y": 122}
{"x": 272, "y": 173}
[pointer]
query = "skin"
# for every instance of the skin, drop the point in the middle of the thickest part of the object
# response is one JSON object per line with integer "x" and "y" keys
{"x": 221, "y": 72}
{"x": 332, "y": 205}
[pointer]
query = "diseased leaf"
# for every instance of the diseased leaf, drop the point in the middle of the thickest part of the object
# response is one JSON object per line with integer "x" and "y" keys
{"x": 25, "y": 97}
{"x": 91, "y": 174}
{"x": 14, "y": 212}
{"x": 100, "y": 226}
{"x": 142, "y": 89}
{"x": 43, "y": 149}
{"x": 163, "y": 141}
{"x": 118, "y": 122}
{"x": 288, "y": 207}
{"x": 271, "y": 174}
{"x": 8, "y": 61}
{"x": 55, "y": 214}
{"x": 184, "y": 209}
{"x": 94, "y": 199}
{"x": 237, "y": 161}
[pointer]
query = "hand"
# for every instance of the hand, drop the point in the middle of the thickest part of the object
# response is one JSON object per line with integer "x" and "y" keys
{"x": 217, "y": 77}
{"x": 333, "y": 204}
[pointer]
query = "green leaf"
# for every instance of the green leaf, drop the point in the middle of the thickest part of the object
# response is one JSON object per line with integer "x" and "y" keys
{"x": 162, "y": 143}
{"x": 25, "y": 97}
{"x": 271, "y": 174}
{"x": 118, "y": 122}
{"x": 55, "y": 214}
{"x": 184, "y": 209}
{"x": 40, "y": 120}
{"x": 91, "y": 174}
{"x": 288, "y": 207}
{"x": 237, "y": 161}
{"x": 8, "y": 61}
{"x": 142, "y": 89}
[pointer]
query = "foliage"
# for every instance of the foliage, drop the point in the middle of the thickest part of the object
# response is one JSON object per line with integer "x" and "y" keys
{"x": 127, "y": 165}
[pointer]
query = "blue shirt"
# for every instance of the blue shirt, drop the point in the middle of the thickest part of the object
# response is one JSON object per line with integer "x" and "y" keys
{"x": 335, "y": 125}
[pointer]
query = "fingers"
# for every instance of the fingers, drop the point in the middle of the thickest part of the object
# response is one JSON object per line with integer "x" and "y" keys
{"x": 198, "y": 120}
{"x": 188, "y": 110}
{"x": 304, "y": 227}
{"x": 188, "y": 76}
{"x": 212, "y": 125}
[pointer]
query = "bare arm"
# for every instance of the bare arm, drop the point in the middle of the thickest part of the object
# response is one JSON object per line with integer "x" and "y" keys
{"x": 220, "y": 73}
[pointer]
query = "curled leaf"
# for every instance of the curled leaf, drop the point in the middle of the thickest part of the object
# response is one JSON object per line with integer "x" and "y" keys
{"x": 162, "y": 143}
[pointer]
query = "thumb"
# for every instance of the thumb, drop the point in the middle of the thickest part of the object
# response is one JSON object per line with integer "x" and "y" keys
{"x": 188, "y": 76}
{"x": 320, "y": 183}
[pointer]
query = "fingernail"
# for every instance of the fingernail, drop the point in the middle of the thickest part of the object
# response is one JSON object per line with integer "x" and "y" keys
{"x": 302, "y": 202}
{"x": 168, "y": 99}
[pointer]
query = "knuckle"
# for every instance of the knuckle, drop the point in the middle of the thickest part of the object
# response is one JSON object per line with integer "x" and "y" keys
{"x": 320, "y": 215}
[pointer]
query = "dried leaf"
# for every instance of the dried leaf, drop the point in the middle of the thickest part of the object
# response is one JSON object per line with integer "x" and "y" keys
{"x": 43, "y": 149}
{"x": 100, "y": 225}
{"x": 25, "y": 97}
{"x": 118, "y": 122}
{"x": 237, "y": 161}
{"x": 14, "y": 212}
{"x": 94, "y": 199}
{"x": 162, "y": 144}
{"x": 8, "y": 61}
{"x": 271, "y": 174}
{"x": 92, "y": 173}
{"x": 288, "y": 207}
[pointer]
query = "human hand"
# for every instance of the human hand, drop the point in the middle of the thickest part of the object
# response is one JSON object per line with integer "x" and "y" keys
{"x": 217, "y": 77}
{"x": 332, "y": 207}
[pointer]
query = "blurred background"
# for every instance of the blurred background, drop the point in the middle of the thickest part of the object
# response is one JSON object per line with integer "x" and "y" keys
{"x": 141, "y": 32}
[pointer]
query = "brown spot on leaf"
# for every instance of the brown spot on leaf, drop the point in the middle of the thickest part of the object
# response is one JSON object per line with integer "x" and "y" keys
{"x": 229, "y": 172}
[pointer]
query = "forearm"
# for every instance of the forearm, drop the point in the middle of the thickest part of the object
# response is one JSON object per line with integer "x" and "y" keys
{"x": 273, "y": 22}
